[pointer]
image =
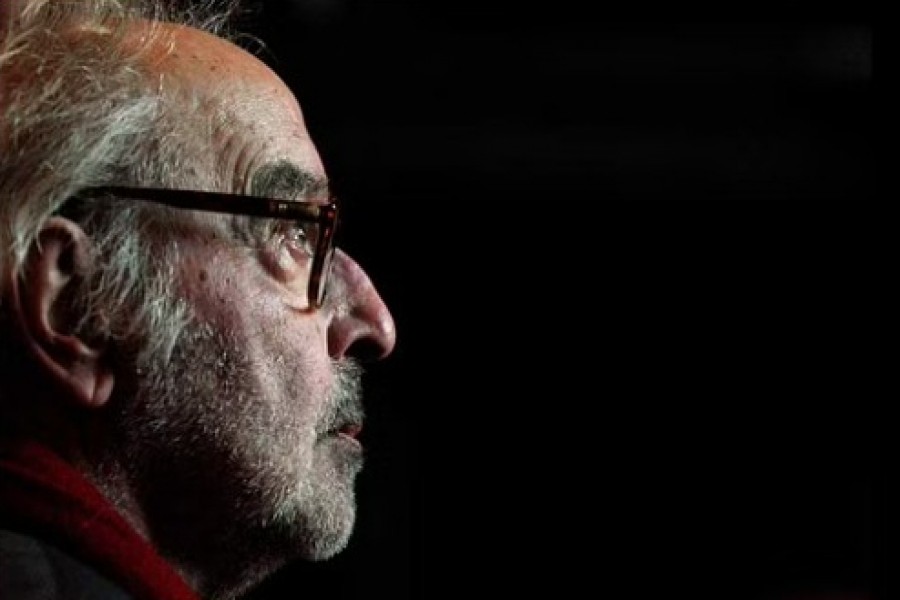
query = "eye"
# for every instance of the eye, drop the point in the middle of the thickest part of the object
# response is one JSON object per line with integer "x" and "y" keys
{"x": 287, "y": 251}
{"x": 298, "y": 238}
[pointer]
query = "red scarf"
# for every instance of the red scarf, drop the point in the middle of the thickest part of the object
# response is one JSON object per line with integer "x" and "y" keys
{"x": 43, "y": 496}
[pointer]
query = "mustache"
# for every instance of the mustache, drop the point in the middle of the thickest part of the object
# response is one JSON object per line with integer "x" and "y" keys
{"x": 344, "y": 406}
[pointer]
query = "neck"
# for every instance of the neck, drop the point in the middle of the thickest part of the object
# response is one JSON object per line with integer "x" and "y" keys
{"x": 217, "y": 565}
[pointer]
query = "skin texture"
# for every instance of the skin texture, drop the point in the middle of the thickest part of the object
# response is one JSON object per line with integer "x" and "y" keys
{"x": 260, "y": 384}
{"x": 236, "y": 454}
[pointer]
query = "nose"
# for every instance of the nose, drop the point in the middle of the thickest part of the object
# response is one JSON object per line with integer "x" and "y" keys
{"x": 361, "y": 324}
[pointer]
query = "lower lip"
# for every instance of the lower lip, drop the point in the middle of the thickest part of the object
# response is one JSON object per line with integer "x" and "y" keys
{"x": 349, "y": 439}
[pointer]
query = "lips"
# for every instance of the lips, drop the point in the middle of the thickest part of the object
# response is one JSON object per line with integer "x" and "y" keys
{"x": 350, "y": 430}
{"x": 347, "y": 435}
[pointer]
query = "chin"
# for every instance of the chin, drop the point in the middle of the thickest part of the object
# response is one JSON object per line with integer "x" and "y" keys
{"x": 324, "y": 540}
{"x": 320, "y": 524}
{"x": 329, "y": 548}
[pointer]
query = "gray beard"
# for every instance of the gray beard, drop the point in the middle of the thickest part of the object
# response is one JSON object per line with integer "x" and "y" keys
{"x": 232, "y": 480}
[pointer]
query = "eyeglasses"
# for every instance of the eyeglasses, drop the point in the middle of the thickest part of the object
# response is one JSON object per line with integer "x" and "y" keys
{"x": 316, "y": 222}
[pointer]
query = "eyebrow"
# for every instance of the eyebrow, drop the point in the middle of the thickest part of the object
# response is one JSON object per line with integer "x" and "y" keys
{"x": 285, "y": 180}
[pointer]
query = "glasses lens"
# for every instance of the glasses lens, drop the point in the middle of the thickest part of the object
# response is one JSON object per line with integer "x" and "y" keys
{"x": 323, "y": 278}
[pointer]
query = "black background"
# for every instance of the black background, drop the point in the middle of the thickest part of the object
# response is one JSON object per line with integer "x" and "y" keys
{"x": 620, "y": 243}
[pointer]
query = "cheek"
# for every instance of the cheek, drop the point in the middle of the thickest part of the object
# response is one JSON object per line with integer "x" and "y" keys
{"x": 294, "y": 346}
{"x": 286, "y": 348}
{"x": 231, "y": 291}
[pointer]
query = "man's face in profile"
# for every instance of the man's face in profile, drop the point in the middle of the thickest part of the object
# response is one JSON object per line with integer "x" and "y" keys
{"x": 246, "y": 434}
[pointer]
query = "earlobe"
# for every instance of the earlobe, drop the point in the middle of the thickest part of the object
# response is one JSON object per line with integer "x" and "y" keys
{"x": 38, "y": 302}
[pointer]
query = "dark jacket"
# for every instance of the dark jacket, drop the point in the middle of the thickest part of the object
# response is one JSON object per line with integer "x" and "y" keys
{"x": 31, "y": 569}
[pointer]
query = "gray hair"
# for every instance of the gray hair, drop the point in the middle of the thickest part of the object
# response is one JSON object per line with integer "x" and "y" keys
{"x": 77, "y": 111}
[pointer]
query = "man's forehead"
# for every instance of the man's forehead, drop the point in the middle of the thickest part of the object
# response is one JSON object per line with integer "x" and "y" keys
{"x": 248, "y": 105}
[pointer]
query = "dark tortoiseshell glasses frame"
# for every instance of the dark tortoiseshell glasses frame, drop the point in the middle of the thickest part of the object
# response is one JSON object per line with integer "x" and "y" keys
{"x": 324, "y": 215}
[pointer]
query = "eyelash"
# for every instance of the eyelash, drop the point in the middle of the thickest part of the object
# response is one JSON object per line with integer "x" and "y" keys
{"x": 296, "y": 236}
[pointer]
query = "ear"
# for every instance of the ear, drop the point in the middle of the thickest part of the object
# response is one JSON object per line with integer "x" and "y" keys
{"x": 37, "y": 299}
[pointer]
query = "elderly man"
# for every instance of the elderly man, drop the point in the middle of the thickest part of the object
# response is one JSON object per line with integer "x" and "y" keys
{"x": 180, "y": 391}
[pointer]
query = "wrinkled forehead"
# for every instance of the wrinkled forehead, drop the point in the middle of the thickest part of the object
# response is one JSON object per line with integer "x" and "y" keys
{"x": 253, "y": 117}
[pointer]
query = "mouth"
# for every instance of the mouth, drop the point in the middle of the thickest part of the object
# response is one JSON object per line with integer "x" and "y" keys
{"x": 351, "y": 430}
{"x": 347, "y": 430}
{"x": 347, "y": 436}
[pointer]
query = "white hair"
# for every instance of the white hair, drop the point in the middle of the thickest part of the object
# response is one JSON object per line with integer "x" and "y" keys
{"x": 77, "y": 110}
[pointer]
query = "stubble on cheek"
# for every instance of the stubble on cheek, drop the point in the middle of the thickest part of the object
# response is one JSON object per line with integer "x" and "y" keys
{"x": 237, "y": 428}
